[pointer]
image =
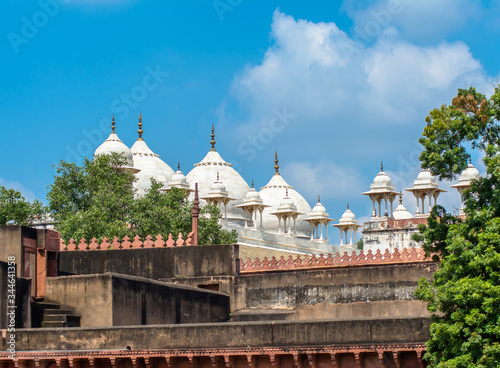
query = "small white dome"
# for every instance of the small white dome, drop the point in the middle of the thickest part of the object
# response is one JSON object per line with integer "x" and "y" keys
{"x": 425, "y": 179}
{"x": 381, "y": 183}
{"x": 287, "y": 201}
{"x": 115, "y": 145}
{"x": 382, "y": 179}
{"x": 469, "y": 174}
{"x": 348, "y": 215}
{"x": 270, "y": 194}
{"x": 348, "y": 218}
{"x": 178, "y": 179}
{"x": 401, "y": 213}
{"x": 217, "y": 187}
{"x": 319, "y": 210}
{"x": 252, "y": 195}
{"x": 425, "y": 175}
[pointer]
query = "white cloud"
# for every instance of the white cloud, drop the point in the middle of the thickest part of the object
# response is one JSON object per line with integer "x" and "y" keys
{"x": 322, "y": 73}
{"x": 327, "y": 179}
{"x": 27, "y": 194}
{"x": 353, "y": 102}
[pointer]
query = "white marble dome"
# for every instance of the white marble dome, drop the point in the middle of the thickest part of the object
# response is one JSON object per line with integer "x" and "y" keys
{"x": 348, "y": 217}
{"x": 218, "y": 186}
{"x": 252, "y": 195}
{"x": 319, "y": 210}
{"x": 272, "y": 194}
{"x": 425, "y": 179}
{"x": 401, "y": 213}
{"x": 151, "y": 166}
{"x": 204, "y": 173}
{"x": 115, "y": 145}
{"x": 468, "y": 174}
{"x": 382, "y": 179}
{"x": 178, "y": 179}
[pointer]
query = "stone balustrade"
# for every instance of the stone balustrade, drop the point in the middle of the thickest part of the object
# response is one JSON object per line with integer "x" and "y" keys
{"x": 335, "y": 260}
{"x": 126, "y": 243}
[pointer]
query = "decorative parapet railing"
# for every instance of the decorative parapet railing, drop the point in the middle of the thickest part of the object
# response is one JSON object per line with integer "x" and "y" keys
{"x": 335, "y": 260}
{"x": 126, "y": 243}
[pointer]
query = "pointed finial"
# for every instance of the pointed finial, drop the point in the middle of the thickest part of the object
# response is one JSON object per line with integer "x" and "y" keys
{"x": 470, "y": 161}
{"x": 400, "y": 197}
{"x": 252, "y": 183}
{"x": 212, "y": 142}
{"x": 276, "y": 166}
{"x": 140, "y": 131}
{"x": 318, "y": 199}
{"x": 178, "y": 166}
{"x": 381, "y": 166}
{"x": 113, "y": 124}
{"x": 347, "y": 205}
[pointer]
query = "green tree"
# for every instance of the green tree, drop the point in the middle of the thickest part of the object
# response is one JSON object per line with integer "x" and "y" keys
{"x": 464, "y": 297}
{"x": 93, "y": 200}
{"x": 13, "y": 207}
{"x": 160, "y": 212}
{"x": 97, "y": 200}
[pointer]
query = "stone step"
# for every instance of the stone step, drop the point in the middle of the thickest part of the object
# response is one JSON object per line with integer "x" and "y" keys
{"x": 53, "y": 324}
{"x": 48, "y": 305}
{"x": 58, "y": 311}
{"x": 54, "y": 317}
{"x": 245, "y": 315}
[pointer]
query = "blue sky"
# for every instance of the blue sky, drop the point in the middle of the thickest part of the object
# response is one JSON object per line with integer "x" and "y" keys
{"x": 335, "y": 87}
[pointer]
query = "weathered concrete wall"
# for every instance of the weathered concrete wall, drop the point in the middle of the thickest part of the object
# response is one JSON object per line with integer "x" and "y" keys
{"x": 230, "y": 335}
{"x": 120, "y": 300}
{"x": 11, "y": 244}
{"x": 344, "y": 292}
{"x": 90, "y": 297}
{"x": 350, "y": 292}
{"x": 154, "y": 263}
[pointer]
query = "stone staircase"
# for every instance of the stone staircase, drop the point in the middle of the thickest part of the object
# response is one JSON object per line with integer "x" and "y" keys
{"x": 54, "y": 316}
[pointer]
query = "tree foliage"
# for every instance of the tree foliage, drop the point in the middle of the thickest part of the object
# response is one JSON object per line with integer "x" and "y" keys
{"x": 464, "y": 296}
{"x": 97, "y": 200}
{"x": 13, "y": 207}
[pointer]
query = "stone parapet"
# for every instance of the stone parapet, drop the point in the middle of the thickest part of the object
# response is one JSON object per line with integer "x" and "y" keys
{"x": 335, "y": 260}
{"x": 229, "y": 335}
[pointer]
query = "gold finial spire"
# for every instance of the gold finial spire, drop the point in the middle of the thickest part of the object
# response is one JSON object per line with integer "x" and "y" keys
{"x": 276, "y": 166}
{"x": 318, "y": 199}
{"x": 252, "y": 183}
{"x": 212, "y": 142}
{"x": 113, "y": 124}
{"x": 347, "y": 205}
{"x": 381, "y": 166}
{"x": 140, "y": 131}
{"x": 400, "y": 197}
{"x": 178, "y": 166}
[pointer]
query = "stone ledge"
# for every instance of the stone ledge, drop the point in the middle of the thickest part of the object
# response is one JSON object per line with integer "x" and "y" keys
{"x": 227, "y": 335}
